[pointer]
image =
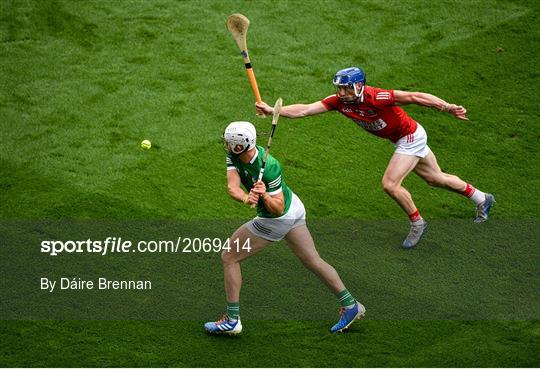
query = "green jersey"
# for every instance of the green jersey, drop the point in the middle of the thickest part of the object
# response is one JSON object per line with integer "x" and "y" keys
{"x": 272, "y": 178}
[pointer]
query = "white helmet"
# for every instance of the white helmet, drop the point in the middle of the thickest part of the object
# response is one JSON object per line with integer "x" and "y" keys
{"x": 240, "y": 137}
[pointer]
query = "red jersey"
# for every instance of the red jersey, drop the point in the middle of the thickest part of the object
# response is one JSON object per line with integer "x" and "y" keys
{"x": 376, "y": 113}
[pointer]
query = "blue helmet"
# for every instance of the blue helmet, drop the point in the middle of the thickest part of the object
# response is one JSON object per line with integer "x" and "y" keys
{"x": 350, "y": 77}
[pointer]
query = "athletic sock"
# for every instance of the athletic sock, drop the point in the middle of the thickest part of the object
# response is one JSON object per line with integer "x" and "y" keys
{"x": 474, "y": 194}
{"x": 416, "y": 218}
{"x": 233, "y": 310}
{"x": 346, "y": 300}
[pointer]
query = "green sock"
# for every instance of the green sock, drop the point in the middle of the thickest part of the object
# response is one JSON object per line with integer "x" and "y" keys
{"x": 346, "y": 299}
{"x": 233, "y": 310}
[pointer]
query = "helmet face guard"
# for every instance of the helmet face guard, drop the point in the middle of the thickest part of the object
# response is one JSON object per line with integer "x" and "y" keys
{"x": 235, "y": 150}
{"x": 350, "y": 78}
{"x": 239, "y": 137}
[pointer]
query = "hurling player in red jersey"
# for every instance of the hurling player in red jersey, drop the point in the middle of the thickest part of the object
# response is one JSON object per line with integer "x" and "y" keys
{"x": 377, "y": 111}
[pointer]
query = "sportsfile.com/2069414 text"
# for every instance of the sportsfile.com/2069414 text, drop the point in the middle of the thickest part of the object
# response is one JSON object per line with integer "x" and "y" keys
{"x": 119, "y": 245}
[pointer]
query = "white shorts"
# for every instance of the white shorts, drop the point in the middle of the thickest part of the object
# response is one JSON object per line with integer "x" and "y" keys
{"x": 274, "y": 229}
{"x": 414, "y": 144}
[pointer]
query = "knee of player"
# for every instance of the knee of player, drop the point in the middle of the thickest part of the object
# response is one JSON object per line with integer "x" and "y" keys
{"x": 228, "y": 257}
{"x": 389, "y": 186}
{"x": 312, "y": 262}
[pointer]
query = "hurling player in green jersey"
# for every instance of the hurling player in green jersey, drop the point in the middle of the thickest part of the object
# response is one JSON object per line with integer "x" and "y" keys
{"x": 280, "y": 215}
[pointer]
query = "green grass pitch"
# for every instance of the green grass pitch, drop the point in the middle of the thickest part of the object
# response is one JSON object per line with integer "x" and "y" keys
{"x": 84, "y": 82}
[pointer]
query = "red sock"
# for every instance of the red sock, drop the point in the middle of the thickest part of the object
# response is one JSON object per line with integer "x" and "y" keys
{"x": 414, "y": 217}
{"x": 469, "y": 190}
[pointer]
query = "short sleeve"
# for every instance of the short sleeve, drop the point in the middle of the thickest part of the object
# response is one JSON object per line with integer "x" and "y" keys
{"x": 272, "y": 177}
{"x": 330, "y": 102}
{"x": 382, "y": 98}
{"x": 230, "y": 164}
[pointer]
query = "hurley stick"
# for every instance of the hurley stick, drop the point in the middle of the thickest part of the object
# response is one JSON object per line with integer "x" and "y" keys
{"x": 238, "y": 24}
{"x": 275, "y": 116}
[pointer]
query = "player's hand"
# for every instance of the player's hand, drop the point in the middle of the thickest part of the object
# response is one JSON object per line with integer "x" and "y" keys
{"x": 458, "y": 111}
{"x": 259, "y": 188}
{"x": 253, "y": 198}
{"x": 263, "y": 108}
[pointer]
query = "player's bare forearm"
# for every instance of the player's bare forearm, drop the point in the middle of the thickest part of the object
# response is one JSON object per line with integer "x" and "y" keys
{"x": 274, "y": 204}
{"x": 236, "y": 192}
{"x": 294, "y": 110}
{"x": 431, "y": 101}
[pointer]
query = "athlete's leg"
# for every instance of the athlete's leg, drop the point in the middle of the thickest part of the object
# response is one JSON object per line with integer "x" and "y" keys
{"x": 399, "y": 167}
{"x": 428, "y": 169}
{"x": 231, "y": 259}
{"x": 301, "y": 243}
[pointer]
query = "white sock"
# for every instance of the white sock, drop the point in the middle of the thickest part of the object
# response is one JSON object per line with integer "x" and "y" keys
{"x": 418, "y": 222}
{"x": 478, "y": 196}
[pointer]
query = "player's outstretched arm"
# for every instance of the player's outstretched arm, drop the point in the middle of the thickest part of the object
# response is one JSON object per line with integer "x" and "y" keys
{"x": 429, "y": 100}
{"x": 235, "y": 190}
{"x": 293, "y": 111}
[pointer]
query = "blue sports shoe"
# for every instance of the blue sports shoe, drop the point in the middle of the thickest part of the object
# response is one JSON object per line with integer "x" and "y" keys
{"x": 348, "y": 316}
{"x": 224, "y": 326}
{"x": 482, "y": 210}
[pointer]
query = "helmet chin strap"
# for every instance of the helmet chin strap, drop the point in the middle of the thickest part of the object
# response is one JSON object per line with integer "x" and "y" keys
{"x": 360, "y": 94}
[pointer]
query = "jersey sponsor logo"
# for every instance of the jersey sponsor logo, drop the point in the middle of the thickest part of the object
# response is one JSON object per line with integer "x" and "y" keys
{"x": 377, "y": 125}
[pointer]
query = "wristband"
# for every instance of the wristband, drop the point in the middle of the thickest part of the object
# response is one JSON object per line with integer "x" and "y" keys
{"x": 445, "y": 107}
{"x": 245, "y": 199}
